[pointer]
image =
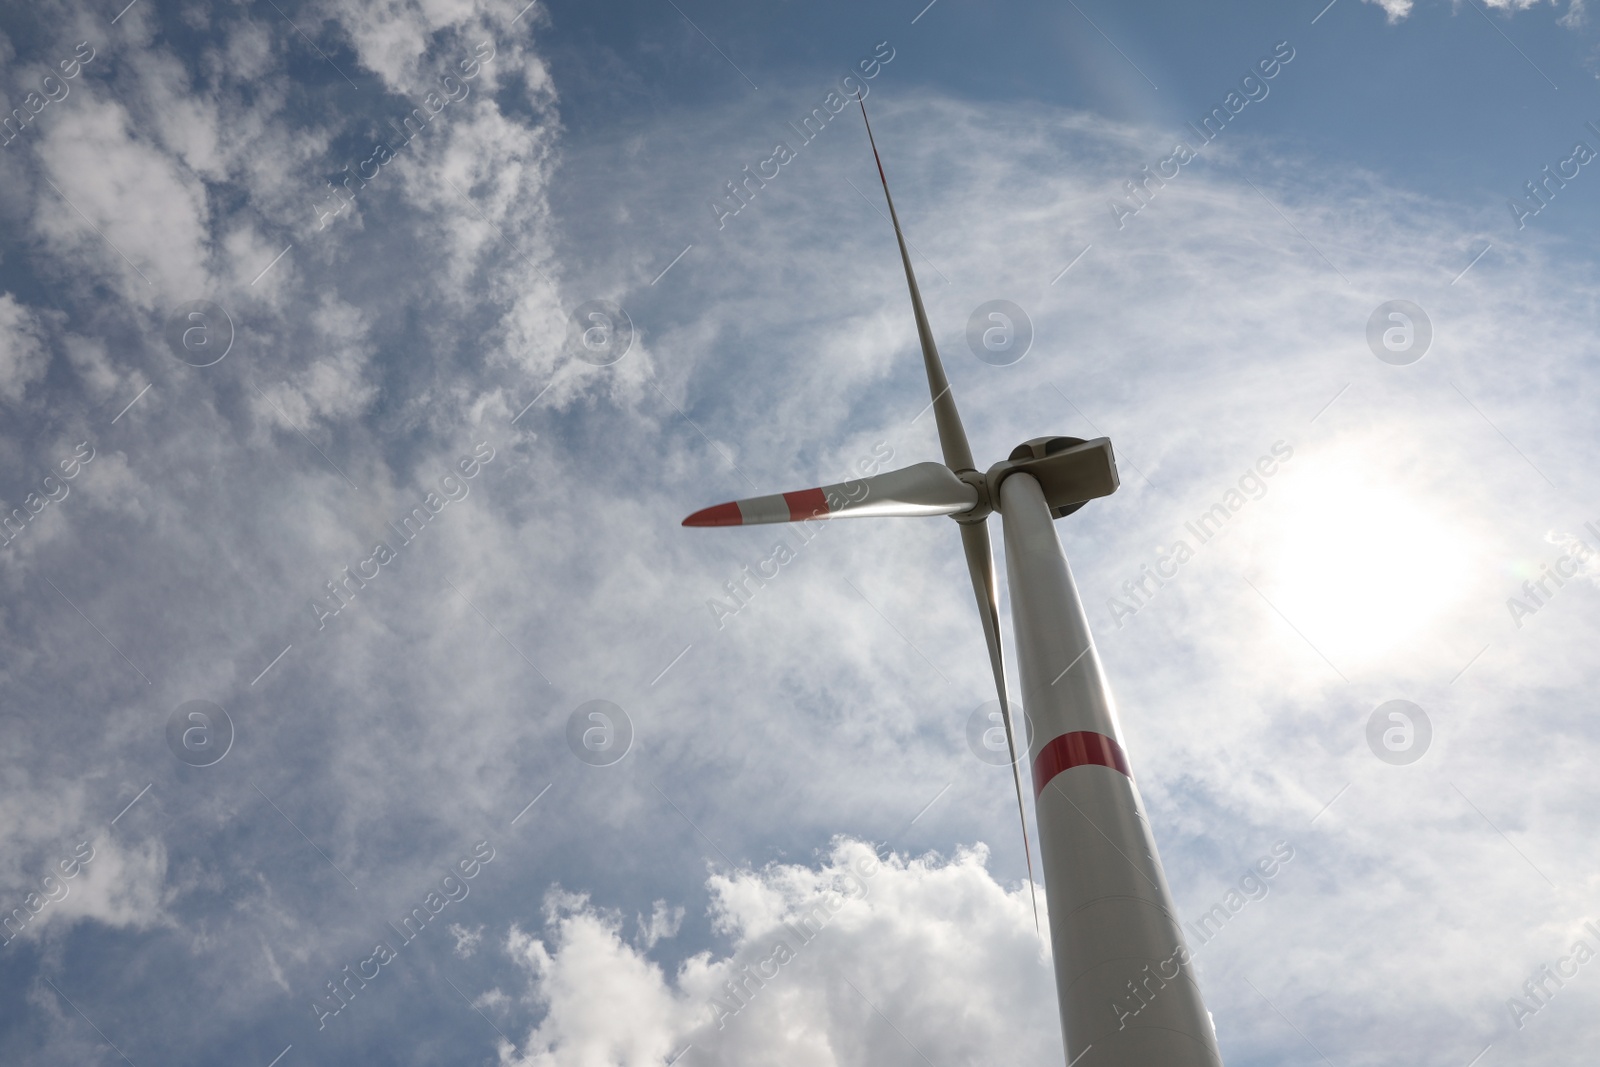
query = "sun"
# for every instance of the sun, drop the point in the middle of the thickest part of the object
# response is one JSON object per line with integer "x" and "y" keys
{"x": 1362, "y": 559}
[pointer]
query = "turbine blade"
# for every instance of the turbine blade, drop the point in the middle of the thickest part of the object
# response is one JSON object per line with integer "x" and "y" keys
{"x": 980, "y": 562}
{"x": 952, "y": 436}
{"x": 920, "y": 489}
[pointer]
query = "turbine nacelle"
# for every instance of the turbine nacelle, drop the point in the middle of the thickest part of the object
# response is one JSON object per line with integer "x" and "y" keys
{"x": 1070, "y": 470}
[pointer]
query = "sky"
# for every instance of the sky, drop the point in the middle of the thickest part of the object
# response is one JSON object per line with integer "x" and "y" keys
{"x": 364, "y": 700}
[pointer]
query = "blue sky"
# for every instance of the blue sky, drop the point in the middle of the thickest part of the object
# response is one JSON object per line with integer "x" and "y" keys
{"x": 180, "y": 523}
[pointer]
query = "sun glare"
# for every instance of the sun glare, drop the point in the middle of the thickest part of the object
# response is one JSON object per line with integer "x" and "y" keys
{"x": 1362, "y": 564}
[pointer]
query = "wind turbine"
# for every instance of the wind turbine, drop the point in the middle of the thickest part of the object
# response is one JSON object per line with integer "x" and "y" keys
{"x": 1126, "y": 990}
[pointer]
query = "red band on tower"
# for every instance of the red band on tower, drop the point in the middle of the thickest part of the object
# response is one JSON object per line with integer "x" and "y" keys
{"x": 1075, "y": 750}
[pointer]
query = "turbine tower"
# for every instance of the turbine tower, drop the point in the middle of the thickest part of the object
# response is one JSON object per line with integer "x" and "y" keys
{"x": 1127, "y": 992}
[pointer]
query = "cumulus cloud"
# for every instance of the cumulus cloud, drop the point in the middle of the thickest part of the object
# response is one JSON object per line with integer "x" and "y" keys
{"x": 821, "y": 967}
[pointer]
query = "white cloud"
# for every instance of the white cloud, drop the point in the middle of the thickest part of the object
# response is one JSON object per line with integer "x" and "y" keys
{"x": 1396, "y": 10}
{"x": 333, "y": 387}
{"x": 664, "y": 922}
{"x": 24, "y": 351}
{"x": 393, "y": 36}
{"x": 120, "y": 885}
{"x": 467, "y": 941}
{"x": 135, "y": 202}
{"x": 814, "y": 955}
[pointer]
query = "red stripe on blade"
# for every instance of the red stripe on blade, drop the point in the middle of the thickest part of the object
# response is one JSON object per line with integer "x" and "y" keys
{"x": 806, "y": 504}
{"x": 721, "y": 515}
{"x": 1075, "y": 750}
